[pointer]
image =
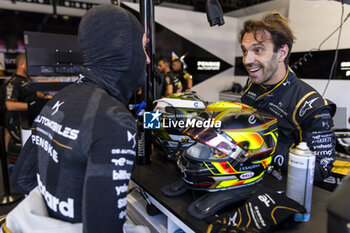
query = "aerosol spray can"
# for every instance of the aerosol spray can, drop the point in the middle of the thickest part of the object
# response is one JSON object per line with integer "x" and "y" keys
{"x": 301, "y": 166}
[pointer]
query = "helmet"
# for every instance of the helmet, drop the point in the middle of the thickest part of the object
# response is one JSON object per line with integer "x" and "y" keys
{"x": 174, "y": 108}
{"x": 235, "y": 154}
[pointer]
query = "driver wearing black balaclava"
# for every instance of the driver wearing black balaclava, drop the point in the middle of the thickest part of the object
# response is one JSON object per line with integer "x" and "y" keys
{"x": 82, "y": 148}
{"x": 113, "y": 55}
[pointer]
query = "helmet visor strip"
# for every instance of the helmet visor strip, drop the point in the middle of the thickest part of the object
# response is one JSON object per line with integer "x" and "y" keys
{"x": 222, "y": 144}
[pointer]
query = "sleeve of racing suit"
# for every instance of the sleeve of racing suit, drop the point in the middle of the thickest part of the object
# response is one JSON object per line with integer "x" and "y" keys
{"x": 167, "y": 80}
{"x": 110, "y": 162}
{"x": 23, "y": 178}
{"x": 320, "y": 139}
{"x": 12, "y": 91}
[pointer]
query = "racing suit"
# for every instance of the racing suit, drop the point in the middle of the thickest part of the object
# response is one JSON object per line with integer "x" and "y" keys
{"x": 302, "y": 114}
{"x": 16, "y": 90}
{"x": 88, "y": 144}
{"x": 171, "y": 79}
{"x": 183, "y": 75}
{"x": 82, "y": 148}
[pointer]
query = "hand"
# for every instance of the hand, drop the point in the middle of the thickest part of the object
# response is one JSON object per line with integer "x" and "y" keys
{"x": 47, "y": 96}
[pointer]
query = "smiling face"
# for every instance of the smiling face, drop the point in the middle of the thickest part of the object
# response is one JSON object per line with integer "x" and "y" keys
{"x": 263, "y": 64}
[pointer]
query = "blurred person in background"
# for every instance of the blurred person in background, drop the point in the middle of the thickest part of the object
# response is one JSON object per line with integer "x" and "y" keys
{"x": 184, "y": 77}
{"x": 171, "y": 83}
{"x": 17, "y": 99}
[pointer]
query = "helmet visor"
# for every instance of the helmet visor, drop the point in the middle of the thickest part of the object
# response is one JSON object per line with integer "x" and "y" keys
{"x": 221, "y": 143}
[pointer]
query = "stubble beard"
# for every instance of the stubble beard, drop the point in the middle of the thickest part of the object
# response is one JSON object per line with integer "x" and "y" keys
{"x": 268, "y": 71}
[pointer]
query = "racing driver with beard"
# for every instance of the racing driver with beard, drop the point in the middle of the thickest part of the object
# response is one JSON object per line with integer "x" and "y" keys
{"x": 302, "y": 113}
{"x": 82, "y": 148}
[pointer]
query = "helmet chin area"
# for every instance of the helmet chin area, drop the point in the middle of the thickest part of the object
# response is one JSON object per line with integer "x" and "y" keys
{"x": 202, "y": 170}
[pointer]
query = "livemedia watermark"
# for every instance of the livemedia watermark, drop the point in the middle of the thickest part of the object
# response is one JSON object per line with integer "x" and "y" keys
{"x": 153, "y": 120}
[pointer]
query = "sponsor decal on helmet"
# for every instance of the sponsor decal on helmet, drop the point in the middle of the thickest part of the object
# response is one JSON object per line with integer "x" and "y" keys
{"x": 246, "y": 175}
{"x": 250, "y": 167}
{"x": 252, "y": 120}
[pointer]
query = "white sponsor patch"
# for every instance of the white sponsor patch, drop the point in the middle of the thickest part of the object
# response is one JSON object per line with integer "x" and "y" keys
{"x": 121, "y": 189}
{"x": 56, "y": 107}
{"x": 325, "y": 125}
{"x": 46, "y": 146}
{"x": 232, "y": 220}
{"x": 122, "y": 202}
{"x": 325, "y": 161}
{"x": 121, "y": 175}
{"x": 66, "y": 132}
{"x": 66, "y": 208}
{"x": 132, "y": 137}
{"x": 122, "y": 214}
{"x": 123, "y": 151}
{"x": 119, "y": 162}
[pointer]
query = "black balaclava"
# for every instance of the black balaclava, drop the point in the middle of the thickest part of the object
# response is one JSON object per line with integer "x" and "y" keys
{"x": 111, "y": 41}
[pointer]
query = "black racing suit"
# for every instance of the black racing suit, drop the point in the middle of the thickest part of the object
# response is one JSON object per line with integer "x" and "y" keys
{"x": 80, "y": 154}
{"x": 303, "y": 115}
{"x": 182, "y": 75}
{"x": 16, "y": 90}
{"x": 171, "y": 79}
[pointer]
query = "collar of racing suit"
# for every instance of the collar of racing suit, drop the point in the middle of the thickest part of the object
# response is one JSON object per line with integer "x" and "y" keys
{"x": 111, "y": 41}
{"x": 22, "y": 77}
{"x": 264, "y": 90}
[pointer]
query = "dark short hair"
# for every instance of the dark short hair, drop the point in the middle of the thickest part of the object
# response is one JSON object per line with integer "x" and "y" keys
{"x": 166, "y": 61}
{"x": 177, "y": 60}
{"x": 277, "y": 25}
